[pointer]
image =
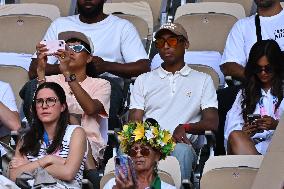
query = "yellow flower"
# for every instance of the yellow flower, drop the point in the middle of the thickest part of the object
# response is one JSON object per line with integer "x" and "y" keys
{"x": 155, "y": 131}
{"x": 139, "y": 131}
{"x": 167, "y": 137}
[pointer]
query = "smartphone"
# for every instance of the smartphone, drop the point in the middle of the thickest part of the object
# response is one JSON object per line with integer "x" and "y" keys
{"x": 54, "y": 45}
{"x": 251, "y": 118}
{"x": 121, "y": 162}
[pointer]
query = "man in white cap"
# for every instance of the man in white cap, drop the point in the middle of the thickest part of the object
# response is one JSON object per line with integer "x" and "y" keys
{"x": 182, "y": 100}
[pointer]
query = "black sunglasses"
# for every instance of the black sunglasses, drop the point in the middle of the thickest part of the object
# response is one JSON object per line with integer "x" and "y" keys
{"x": 266, "y": 69}
{"x": 143, "y": 151}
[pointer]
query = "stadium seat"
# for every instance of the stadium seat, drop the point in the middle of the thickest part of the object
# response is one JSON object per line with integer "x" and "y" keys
{"x": 155, "y": 5}
{"x": 25, "y": 25}
{"x": 16, "y": 76}
{"x": 247, "y": 4}
{"x": 138, "y": 13}
{"x": 231, "y": 171}
{"x": 208, "y": 24}
{"x": 66, "y": 7}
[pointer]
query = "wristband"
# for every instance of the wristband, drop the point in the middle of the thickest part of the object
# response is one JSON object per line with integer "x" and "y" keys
{"x": 186, "y": 127}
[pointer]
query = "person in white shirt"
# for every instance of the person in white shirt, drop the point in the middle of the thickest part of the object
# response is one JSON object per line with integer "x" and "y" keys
{"x": 9, "y": 117}
{"x": 118, "y": 49}
{"x": 243, "y": 35}
{"x": 182, "y": 100}
{"x": 262, "y": 94}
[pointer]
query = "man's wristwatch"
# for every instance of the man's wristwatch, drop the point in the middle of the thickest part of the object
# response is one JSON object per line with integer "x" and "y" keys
{"x": 70, "y": 78}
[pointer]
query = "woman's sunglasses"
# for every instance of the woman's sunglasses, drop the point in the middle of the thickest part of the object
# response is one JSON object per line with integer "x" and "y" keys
{"x": 266, "y": 69}
{"x": 79, "y": 48}
{"x": 49, "y": 101}
{"x": 143, "y": 151}
{"x": 171, "y": 41}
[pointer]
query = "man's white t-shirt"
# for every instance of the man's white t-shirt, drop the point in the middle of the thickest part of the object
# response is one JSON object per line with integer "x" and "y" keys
{"x": 114, "y": 39}
{"x": 173, "y": 99}
{"x": 8, "y": 99}
{"x": 243, "y": 36}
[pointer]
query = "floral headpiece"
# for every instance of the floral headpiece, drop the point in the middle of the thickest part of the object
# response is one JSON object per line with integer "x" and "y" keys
{"x": 146, "y": 133}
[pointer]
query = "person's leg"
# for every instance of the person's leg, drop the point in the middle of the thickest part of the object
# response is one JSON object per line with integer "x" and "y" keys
{"x": 186, "y": 157}
{"x": 241, "y": 144}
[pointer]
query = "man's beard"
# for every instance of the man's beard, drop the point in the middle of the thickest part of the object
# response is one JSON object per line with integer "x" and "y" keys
{"x": 264, "y": 3}
{"x": 91, "y": 12}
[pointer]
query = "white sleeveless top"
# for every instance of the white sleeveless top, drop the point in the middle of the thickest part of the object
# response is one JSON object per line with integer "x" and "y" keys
{"x": 63, "y": 152}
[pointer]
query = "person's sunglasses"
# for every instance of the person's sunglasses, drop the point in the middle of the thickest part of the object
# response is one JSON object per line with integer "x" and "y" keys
{"x": 78, "y": 48}
{"x": 266, "y": 69}
{"x": 171, "y": 41}
{"x": 143, "y": 151}
{"x": 49, "y": 101}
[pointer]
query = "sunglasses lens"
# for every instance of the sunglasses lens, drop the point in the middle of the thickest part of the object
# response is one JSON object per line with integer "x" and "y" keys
{"x": 78, "y": 48}
{"x": 159, "y": 43}
{"x": 266, "y": 69}
{"x": 172, "y": 42}
{"x": 132, "y": 153}
{"x": 145, "y": 151}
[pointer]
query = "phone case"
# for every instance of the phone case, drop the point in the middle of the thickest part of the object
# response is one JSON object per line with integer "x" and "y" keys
{"x": 54, "y": 45}
{"x": 121, "y": 163}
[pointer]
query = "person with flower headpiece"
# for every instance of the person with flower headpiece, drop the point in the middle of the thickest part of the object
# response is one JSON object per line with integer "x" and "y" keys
{"x": 181, "y": 99}
{"x": 146, "y": 143}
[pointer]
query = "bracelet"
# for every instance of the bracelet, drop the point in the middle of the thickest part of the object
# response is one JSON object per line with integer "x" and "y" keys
{"x": 40, "y": 80}
{"x": 186, "y": 127}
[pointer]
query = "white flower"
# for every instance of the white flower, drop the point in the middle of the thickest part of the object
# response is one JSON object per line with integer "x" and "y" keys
{"x": 149, "y": 135}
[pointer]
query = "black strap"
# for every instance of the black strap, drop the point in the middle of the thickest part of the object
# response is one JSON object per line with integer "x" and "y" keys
{"x": 258, "y": 28}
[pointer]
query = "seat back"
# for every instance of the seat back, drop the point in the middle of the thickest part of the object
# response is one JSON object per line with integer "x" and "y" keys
{"x": 140, "y": 24}
{"x": 208, "y": 70}
{"x": 17, "y": 77}
{"x": 208, "y": 24}
{"x": 66, "y": 7}
{"x": 231, "y": 171}
{"x": 168, "y": 170}
{"x": 247, "y": 4}
{"x": 140, "y": 9}
{"x": 154, "y": 4}
{"x": 23, "y": 26}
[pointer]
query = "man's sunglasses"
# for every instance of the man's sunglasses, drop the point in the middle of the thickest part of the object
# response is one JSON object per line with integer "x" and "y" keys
{"x": 171, "y": 41}
{"x": 78, "y": 48}
{"x": 266, "y": 69}
{"x": 143, "y": 151}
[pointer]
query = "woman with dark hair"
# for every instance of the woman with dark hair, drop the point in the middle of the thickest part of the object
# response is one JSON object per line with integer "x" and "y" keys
{"x": 51, "y": 143}
{"x": 254, "y": 115}
{"x": 88, "y": 98}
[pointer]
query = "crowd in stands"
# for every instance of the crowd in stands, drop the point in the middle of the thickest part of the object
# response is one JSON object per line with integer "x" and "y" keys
{"x": 76, "y": 94}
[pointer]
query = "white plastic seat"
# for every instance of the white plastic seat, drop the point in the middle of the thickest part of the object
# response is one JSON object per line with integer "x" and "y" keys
{"x": 247, "y": 4}
{"x": 208, "y": 24}
{"x": 22, "y": 26}
{"x": 66, "y": 7}
{"x": 17, "y": 77}
{"x": 231, "y": 171}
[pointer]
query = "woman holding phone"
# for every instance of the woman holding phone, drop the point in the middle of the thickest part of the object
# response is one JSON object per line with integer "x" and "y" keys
{"x": 63, "y": 153}
{"x": 145, "y": 143}
{"x": 88, "y": 98}
{"x": 262, "y": 94}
